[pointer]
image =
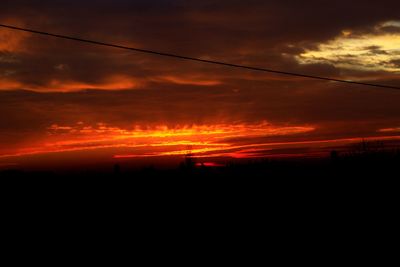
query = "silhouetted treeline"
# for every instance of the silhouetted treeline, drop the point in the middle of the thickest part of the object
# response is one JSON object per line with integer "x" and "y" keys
{"x": 362, "y": 162}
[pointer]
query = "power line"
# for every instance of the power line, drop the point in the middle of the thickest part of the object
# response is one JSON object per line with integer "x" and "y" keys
{"x": 196, "y": 59}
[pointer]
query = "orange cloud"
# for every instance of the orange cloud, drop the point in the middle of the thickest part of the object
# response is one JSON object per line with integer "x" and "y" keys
{"x": 190, "y": 80}
{"x": 12, "y": 41}
{"x": 116, "y": 82}
{"x": 390, "y": 130}
{"x": 7, "y": 84}
{"x": 158, "y": 140}
{"x": 201, "y": 141}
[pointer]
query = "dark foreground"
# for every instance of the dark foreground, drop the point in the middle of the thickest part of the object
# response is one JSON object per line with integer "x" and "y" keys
{"x": 348, "y": 166}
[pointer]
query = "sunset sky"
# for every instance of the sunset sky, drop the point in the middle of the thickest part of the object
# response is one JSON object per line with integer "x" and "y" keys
{"x": 60, "y": 98}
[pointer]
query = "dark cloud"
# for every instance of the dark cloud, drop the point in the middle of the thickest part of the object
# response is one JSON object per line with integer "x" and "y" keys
{"x": 376, "y": 50}
{"x": 390, "y": 29}
{"x": 251, "y": 32}
{"x": 395, "y": 63}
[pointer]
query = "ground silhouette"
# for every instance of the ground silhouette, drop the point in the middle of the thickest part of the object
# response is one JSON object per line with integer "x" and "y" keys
{"x": 362, "y": 162}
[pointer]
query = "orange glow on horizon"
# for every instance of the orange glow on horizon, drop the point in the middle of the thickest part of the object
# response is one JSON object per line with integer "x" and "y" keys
{"x": 156, "y": 140}
{"x": 200, "y": 141}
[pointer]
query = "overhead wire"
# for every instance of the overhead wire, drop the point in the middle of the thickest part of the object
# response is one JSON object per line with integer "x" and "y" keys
{"x": 195, "y": 59}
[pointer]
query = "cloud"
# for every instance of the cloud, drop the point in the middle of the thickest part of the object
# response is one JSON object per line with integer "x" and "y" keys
{"x": 389, "y": 130}
{"x": 81, "y": 136}
{"x": 201, "y": 81}
{"x": 395, "y": 63}
{"x": 261, "y": 33}
{"x": 374, "y": 51}
{"x": 12, "y": 41}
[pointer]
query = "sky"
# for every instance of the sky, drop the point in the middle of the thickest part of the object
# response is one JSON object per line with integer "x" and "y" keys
{"x": 59, "y": 96}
